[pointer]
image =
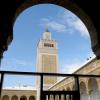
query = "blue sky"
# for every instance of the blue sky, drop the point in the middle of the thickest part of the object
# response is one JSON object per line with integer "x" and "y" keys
{"x": 74, "y": 45}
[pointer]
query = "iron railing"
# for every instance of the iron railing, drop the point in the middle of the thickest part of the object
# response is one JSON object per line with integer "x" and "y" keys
{"x": 44, "y": 94}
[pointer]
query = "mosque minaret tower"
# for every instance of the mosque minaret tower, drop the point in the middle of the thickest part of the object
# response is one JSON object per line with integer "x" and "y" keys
{"x": 47, "y": 58}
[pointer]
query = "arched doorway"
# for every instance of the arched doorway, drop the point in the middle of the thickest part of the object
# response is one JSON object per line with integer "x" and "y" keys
{"x": 14, "y": 97}
{"x": 5, "y": 97}
{"x": 83, "y": 91}
{"x": 93, "y": 89}
{"x": 23, "y": 98}
{"x": 32, "y": 98}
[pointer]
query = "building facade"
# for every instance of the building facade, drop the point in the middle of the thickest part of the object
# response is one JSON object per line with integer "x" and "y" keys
{"x": 19, "y": 93}
{"x": 89, "y": 86}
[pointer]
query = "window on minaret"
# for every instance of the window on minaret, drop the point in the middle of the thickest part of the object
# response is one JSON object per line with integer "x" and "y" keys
{"x": 48, "y": 45}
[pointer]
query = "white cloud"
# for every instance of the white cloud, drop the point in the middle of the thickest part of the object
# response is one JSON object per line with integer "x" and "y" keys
{"x": 45, "y": 20}
{"x": 70, "y": 68}
{"x": 57, "y": 26}
{"x": 22, "y": 62}
{"x": 54, "y": 25}
{"x": 67, "y": 22}
{"x": 16, "y": 64}
{"x": 75, "y": 23}
{"x": 81, "y": 28}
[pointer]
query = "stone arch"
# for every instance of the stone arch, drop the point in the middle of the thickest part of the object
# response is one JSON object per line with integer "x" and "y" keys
{"x": 32, "y": 98}
{"x": 83, "y": 91}
{"x": 93, "y": 89}
{"x": 68, "y": 96}
{"x": 73, "y": 8}
{"x": 14, "y": 97}
{"x": 83, "y": 88}
{"x": 23, "y": 98}
{"x": 5, "y": 97}
{"x": 92, "y": 84}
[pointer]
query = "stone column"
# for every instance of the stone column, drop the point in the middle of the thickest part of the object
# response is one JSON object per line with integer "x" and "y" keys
{"x": 27, "y": 97}
{"x": 88, "y": 93}
{"x": 18, "y": 97}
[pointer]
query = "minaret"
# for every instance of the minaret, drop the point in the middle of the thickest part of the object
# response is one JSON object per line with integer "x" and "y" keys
{"x": 47, "y": 58}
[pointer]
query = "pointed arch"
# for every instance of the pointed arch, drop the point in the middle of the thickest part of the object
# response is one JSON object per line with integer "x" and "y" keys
{"x": 73, "y": 7}
{"x": 32, "y": 98}
{"x": 92, "y": 84}
{"x": 83, "y": 89}
{"x": 93, "y": 89}
{"x": 14, "y": 97}
{"x": 23, "y": 98}
{"x": 5, "y": 97}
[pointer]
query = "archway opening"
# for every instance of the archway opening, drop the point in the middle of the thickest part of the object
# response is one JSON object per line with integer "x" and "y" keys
{"x": 23, "y": 98}
{"x": 64, "y": 26}
{"x": 93, "y": 89}
{"x": 32, "y": 98}
{"x": 59, "y": 27}
{"x": 5, "y": 97}
{"x": 14, "y": 97}
{"x": 92, "y": 84}
{"x": 83, "y": 91}
{"x": 73, "y": 8}
{"x": 74, "y": 45}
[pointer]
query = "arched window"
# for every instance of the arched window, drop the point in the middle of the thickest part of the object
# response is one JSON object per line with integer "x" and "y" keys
{"x": 82, "y": 88}
{"x": 93, "y": 89}
{"x": 23, "y": 98}
{"x": 92, "y": 84}
{"x": 83, "y": 91}
{"x": 14, "y": 97}
{"x": 5, "y": 97}
{"x": 32, "y": 98}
